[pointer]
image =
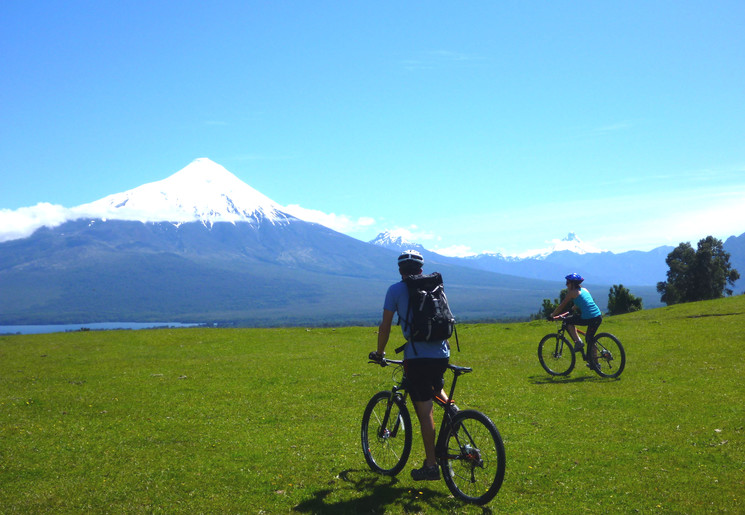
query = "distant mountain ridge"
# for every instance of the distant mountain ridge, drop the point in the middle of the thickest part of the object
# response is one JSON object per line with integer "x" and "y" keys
{"x": 631, "y": 268}
{"x": 570, "y": 243}
{"x": 202, "y": 246}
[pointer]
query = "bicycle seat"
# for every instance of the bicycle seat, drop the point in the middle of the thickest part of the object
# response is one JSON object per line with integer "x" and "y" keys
{"x": 460, "y": 370}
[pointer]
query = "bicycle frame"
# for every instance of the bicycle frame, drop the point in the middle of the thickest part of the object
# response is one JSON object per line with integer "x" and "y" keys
{"x": 469, "y": 449}
{"x": 449, "y": 410}
{"x": 565, "y": 326}
{"x": 604, "y": 353}
{"x": 448, "y": 406}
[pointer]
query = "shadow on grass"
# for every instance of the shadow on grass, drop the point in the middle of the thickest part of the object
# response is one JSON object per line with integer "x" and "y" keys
{"x": 565, "y": 380}
{"x": 379, "y": 495}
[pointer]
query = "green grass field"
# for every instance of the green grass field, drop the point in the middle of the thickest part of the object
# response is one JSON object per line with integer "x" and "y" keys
{"x": 267, "y": 420}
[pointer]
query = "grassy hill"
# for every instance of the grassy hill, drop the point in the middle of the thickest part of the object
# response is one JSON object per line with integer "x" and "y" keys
{"x": 267, "y": 420}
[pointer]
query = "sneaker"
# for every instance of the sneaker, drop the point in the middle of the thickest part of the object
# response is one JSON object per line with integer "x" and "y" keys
{"x": 426, "y": 473}
{"x": 592, "y": 366}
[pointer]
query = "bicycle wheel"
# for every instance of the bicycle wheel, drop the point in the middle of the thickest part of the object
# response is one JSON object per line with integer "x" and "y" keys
{"x": 386, "y": 435}
{"x": 556, "y": 354}
{"x": 474, "y": 464}
{"x": 610, "y": 358}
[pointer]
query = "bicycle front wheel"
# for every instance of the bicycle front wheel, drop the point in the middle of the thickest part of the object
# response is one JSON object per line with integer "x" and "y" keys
{"x": 386, "y": 433}
{"x": 610, "y": 358}
{"x": 474, "y": 464}
{"x": 556, "y": 354}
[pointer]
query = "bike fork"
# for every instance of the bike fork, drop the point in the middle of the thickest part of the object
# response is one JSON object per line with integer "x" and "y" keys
{"x": 383, "y": 431}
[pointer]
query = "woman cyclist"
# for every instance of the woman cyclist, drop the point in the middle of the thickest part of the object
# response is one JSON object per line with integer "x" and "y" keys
{"x": 589, "y": 313}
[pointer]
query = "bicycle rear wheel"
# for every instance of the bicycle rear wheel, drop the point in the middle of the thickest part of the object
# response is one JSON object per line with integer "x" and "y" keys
{"x": 610, "y": 359}
{"x": 556, "y": 355}
{"x": 386, "y": 434}
{"x": 474, "y": 462}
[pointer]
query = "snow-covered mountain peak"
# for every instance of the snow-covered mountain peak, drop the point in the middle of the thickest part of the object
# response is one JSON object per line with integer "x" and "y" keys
{"x": 202, "y": 191}
{"x": 570, "y": 243}
{"x": 203, "y": 171}
{"x": 397, "y": 240}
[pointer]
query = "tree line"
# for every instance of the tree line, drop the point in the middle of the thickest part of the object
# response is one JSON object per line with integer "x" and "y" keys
{"x": 693, "y": 275}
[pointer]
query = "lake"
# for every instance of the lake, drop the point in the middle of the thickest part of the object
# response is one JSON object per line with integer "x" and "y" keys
{"x": 101, "y": 326}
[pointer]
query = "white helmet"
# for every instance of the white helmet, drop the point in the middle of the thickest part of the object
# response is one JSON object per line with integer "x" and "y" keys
{"x": 410, "y": 255}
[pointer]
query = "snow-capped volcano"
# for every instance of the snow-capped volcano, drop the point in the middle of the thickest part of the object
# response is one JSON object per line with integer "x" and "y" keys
{"x": 570, "y": 243}
{"x": 394, "y": 240}
{"x": 397, "y": 240}
{"x": 202, "y": 191}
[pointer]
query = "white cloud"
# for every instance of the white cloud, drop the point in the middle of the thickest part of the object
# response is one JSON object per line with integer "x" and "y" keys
{"x": 614, "y": 127}
{"x": 339, "y": 223}
{"x": 719, "y": 220}
{"x": 22, "y": 222}
{"x": 449, "y": 55}
{"x": 455, "y": 251}
{"x": 402, "y": 233}
{"x": 411, "y": 234}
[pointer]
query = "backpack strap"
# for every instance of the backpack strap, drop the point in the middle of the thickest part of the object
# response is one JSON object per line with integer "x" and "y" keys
{"x": 402, "y": 347}
{"x": 405, "y": 324}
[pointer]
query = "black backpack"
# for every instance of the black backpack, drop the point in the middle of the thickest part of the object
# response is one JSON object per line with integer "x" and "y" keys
{"x": 428, "y": 318}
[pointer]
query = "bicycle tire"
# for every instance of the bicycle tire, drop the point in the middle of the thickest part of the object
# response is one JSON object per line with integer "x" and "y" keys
{"x": 474, "y": 462}
{"x": 556, "y": 355}
{"x": 386, "y": 448}
{"x": 611, "y": 357}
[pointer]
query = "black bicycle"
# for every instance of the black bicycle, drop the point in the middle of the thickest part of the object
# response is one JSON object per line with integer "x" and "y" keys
{"x": 469, "y": 448}
{"x": 557, "y": 354}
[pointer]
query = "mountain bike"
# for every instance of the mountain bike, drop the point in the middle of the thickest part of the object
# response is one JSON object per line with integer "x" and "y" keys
{"x": 469, "y": 448}
{"x": 605, "y": 356}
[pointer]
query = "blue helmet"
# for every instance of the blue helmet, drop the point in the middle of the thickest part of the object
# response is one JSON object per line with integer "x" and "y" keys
{"x": 576, "y": 278}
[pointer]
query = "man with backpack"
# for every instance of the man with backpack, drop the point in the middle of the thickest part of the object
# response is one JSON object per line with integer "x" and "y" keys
{"x": 426, "y": 356}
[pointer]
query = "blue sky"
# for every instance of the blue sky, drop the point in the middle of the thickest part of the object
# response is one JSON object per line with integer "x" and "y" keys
{"x": 472, "y": 126}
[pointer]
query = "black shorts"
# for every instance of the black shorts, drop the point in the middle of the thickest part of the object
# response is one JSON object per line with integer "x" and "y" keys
{"x": 425, "y": 377}
{"x": 591, "y": 323}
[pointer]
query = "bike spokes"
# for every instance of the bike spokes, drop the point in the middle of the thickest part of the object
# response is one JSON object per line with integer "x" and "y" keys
{"x": 556, "y": 355}
{"x": 386, "y": 434}
{"x": 605, "y": 358}
{"x": 474, "y": 462}
{"x": 610, "y": 357}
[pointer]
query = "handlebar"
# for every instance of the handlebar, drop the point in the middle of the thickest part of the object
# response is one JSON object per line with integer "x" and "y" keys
{"x": 562, "y": 316}
{"x": 384, "y": 362}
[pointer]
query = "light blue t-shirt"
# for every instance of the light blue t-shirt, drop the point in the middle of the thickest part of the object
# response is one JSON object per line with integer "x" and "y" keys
{"x": 587, "y": 307}
{"x": 397, "y": 300}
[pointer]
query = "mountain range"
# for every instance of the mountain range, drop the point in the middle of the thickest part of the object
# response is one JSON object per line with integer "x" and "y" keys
{"x": 635, "y": 268}
{"x": 202, "y": 246}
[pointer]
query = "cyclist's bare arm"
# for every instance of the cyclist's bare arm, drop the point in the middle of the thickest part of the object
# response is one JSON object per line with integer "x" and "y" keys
{"x": 384, "y": 331}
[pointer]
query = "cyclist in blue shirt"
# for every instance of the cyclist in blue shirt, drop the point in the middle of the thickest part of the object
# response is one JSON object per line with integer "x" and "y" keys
{"x": 589, "y": 313}
{"x": 424, "y": 368}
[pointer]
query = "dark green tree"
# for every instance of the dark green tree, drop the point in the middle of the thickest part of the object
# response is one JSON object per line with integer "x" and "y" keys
{"x": 620, "y": 300}
{"x": 548, "y": 307}
{"x": 702, "y": 274}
